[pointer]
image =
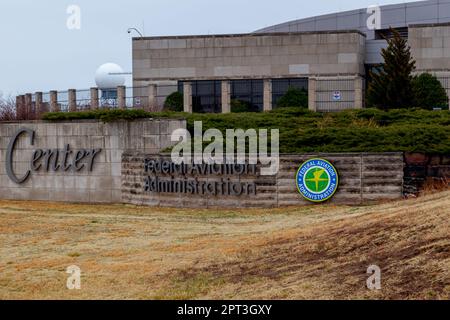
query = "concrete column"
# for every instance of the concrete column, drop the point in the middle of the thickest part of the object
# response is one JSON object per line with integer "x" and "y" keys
{"x": 121, "y": 97}
{"x": 54, "y": 107}
{"x": 94, "y": 98}
{"x": 359, "y": 96}
{"x": 39, "y": 103}
{"x": 72, "y": 100}
{"x": 226, "y": 97}
{"x": 152, "y": 97}
{"x": 312, "y": 87}
{"x": 448, "y": 94}
{"x": 268, "y": 103}
{"x": 187, "y": 96}
{"x": 28, "y": 105}
{"x": 20, "y": 106}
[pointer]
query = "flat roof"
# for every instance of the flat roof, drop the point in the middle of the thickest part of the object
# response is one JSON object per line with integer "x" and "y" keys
{"x": 237, "y": 35}
{"x": 394, "y": 15}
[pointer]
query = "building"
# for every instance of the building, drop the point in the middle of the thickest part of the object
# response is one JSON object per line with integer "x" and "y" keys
{"x": 329, "y": 56}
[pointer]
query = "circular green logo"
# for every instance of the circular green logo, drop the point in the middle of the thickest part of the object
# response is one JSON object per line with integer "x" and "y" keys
{"x": 317, "y": 180}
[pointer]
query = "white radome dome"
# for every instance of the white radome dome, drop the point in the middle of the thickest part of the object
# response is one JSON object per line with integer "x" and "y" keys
{"x": 106, "y": 80}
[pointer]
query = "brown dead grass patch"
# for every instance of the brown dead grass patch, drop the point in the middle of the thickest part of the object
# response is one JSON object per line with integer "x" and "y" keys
{"x": 317, "y": 252}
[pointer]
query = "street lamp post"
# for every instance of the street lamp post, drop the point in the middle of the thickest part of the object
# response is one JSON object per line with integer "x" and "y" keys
{"x": 134, "y": 29}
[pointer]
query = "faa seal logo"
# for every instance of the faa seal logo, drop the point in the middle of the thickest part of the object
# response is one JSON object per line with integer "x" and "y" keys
{"x": 317, "y": 180}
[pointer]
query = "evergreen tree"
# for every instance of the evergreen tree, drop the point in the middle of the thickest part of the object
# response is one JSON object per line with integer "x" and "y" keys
{"x": 391, "y": 86}
{"x": 429, "y": 92}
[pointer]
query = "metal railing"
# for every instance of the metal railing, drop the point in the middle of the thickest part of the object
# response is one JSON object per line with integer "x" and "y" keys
{"x": 151, "y": 98}
{"x": 162, "y": 92}
{"x": 335, "y": 95}
{"x": 330, "y": 94}
{"x": 445, "y": 82}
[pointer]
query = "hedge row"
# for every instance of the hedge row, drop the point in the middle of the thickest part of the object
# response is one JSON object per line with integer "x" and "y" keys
{"x": 366, "y": 130}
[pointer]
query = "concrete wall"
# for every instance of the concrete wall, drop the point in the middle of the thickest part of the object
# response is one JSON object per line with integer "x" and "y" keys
{"x": 103, "y": 183}
{"x": 363, "y": 178}
{"x": 430, "y": 46}
{"x": 248, "y": 56}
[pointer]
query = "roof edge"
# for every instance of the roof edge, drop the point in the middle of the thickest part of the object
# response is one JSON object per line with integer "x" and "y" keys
{"x": 424, "y": 25}
{"x": 237, "y": 35}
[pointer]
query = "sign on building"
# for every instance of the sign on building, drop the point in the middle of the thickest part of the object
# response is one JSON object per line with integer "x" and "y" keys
{"x": 337, "y": 96}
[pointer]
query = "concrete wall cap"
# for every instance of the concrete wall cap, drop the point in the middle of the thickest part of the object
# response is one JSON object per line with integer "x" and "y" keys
{"x": 240, "y": 35}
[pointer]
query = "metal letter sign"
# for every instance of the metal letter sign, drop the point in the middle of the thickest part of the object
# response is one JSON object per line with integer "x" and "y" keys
{"x": 54, "y": 160}
{"x": 9, "y": 156}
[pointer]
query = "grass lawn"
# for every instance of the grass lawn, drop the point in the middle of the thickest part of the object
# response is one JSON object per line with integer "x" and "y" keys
{"x": 128, "y": 252}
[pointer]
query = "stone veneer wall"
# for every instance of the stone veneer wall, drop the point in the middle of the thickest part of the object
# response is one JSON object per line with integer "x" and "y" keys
{"x": 421, "y": 168}
{"x": 363, "y": 178}
{"x": 103, "y": 184}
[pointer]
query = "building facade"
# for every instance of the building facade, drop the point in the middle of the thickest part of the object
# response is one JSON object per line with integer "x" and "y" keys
{"x": 328, "y": 56}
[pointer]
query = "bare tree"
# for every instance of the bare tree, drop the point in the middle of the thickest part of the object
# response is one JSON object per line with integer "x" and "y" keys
{"x": 7, "y": 108}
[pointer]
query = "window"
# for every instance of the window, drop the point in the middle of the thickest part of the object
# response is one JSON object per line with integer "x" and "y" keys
{"x": 109, "y": 94}
{"x": 206, "y": 96}
{"x": 383, "y": 34}
{"x": 249, "y": 91}
{"x": 281, "y": 86}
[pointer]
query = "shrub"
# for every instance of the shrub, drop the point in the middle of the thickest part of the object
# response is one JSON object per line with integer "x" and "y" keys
{"x": 301, "y": 130}
{"x": 174, "y": 102}
{"x": 294, "y": 97}
{"x": 103, "y": 115}
{"x": 429, "y": 93}
{"x": 239, "y": 106}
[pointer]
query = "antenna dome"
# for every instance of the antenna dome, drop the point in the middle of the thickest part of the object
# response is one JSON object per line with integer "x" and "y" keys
{"x": 107, "y": 76}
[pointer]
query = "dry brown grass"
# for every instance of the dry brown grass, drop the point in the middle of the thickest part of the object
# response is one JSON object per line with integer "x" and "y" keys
{"x": 318, "y": 252}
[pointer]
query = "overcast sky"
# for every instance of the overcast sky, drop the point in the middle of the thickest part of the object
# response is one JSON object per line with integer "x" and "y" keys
{"x": 39, "y": 52}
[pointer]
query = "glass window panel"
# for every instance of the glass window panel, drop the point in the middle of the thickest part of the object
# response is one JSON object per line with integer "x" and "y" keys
{"x": 206, "y": 96}
{"x": 249, "y": 91}
{"x": 281, "y": 86}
